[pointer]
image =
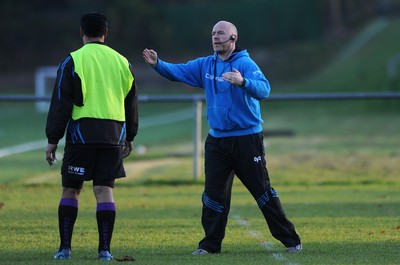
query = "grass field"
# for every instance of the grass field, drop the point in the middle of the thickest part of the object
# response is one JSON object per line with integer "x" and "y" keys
{"x": 337, "y": 176}
{"x": 338, "y": 179}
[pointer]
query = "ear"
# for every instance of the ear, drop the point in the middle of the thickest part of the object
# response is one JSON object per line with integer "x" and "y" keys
{"x": 106, "y": 33}
{"x": 81, "y": 32}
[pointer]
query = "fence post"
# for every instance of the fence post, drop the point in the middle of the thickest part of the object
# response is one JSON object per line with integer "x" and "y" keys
{"x": 197, "y": 138}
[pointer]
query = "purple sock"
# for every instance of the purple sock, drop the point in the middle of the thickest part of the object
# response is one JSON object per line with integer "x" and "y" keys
{"x": 69, "y": 202}
{"x": 105, "y": 215}
{"x": 67, "y": 214}
{"x": 106, "y": 206}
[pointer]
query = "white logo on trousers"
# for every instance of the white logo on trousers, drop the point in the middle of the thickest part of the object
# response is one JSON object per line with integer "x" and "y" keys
{"x": 76, "y": 170}
{"x": 257, "y": 159}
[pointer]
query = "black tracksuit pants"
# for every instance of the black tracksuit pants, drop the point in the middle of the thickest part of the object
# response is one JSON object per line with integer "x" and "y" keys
{"x": 242, "y": 156}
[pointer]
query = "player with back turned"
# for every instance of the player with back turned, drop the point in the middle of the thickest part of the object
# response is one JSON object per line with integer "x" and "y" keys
{"x": 95, "y": 101}
{"x": 234, "y": 86}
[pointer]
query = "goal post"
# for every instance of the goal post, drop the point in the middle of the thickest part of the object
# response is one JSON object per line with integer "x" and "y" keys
{"x": 44, "y": 80}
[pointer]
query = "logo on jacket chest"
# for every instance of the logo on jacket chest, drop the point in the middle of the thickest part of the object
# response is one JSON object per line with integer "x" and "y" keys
{"x": 218, "y": 78}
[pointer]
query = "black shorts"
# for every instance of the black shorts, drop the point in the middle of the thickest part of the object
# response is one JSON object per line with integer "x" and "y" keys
{"x": 102, "y": 164}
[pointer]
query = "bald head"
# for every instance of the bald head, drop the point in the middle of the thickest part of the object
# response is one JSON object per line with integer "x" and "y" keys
{"x": 225, "y": 26}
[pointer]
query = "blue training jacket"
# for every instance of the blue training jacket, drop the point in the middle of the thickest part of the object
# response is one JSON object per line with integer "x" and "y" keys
{"x": 231, "y": 110}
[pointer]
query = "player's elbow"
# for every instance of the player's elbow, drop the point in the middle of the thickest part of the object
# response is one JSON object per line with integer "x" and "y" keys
{"x": 264, "y": 93}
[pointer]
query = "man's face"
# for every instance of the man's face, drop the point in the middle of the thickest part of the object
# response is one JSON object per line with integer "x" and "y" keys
{"x": 221, "y": 34}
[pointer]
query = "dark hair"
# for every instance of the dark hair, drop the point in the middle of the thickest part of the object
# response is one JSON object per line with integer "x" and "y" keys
{"x": 94, "y": 24}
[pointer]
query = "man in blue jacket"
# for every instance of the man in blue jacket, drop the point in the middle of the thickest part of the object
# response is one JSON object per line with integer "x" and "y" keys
{"x": 234, "y": 86}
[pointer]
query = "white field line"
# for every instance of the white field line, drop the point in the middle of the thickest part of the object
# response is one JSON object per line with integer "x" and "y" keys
{"x": 21, "y": 148}
{"x": 165, "y": 118}
{"x": 265, "y": 244}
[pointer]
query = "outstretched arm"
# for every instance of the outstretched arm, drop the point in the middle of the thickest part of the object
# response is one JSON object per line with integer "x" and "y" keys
{"x": 189, "y": 73}
{"x": 150, "y": 57}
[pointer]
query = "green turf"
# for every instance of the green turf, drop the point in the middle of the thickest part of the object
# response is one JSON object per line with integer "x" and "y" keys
{"x": 158, "y": 221}
{"x": 337, "y": 177}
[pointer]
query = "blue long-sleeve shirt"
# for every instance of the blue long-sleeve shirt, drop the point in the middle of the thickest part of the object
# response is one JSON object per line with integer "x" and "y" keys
{"x": 231, "y": 110}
